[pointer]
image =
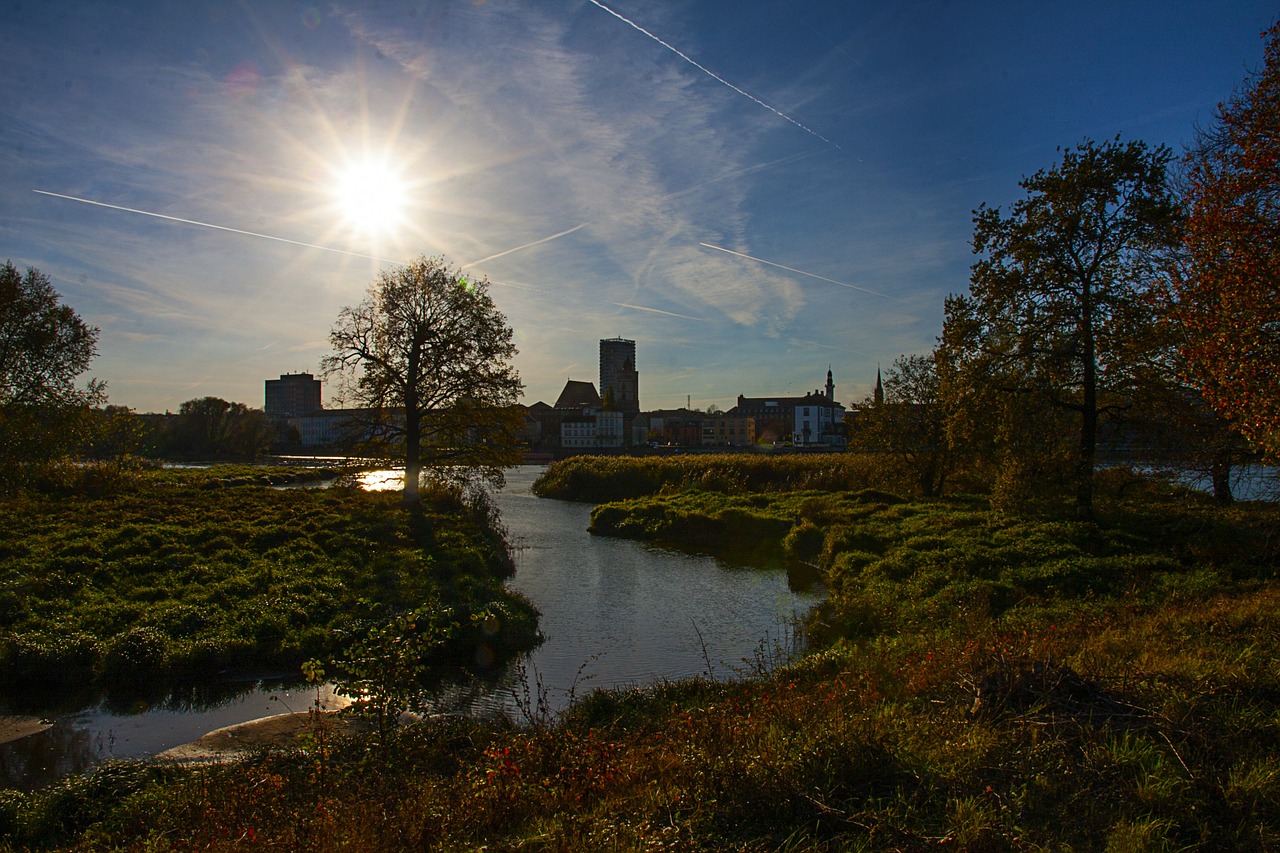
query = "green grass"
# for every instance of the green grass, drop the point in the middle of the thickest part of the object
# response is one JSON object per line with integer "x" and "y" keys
{"x": 1064, "y": 738}
{"x": 979, "y": 682}
{"x": 173, "y": 581}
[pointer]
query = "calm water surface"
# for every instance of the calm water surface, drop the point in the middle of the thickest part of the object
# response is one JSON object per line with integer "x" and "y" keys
{"x": 627, "y": 614}
{"x": 615, "y": 613}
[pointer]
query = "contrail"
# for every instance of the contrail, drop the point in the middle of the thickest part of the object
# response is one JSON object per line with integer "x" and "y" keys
{"x": 526, "y": 245}
{"x": 801, "y": 272}
{"x": 658, "y": 311}
{"x": 712, "y": 74}
{"x": 218, "y": 227}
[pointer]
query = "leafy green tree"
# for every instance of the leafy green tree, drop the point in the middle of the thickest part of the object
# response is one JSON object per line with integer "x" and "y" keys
{"x": 44, "y": 345}
{"x": 1228, "y": 294}
{"x": 1062, "y": 285}
{"x": 428, "y": 356}
{"x": 44, "y": 348}
{"x": 910, "y": 422}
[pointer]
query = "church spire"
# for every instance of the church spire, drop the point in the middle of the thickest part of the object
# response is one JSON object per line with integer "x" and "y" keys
{"x": 878, "y": 397}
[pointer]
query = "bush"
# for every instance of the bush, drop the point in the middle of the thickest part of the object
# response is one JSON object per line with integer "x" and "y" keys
{"x": 61, "y": 660}
{"x": 134, "y": 657}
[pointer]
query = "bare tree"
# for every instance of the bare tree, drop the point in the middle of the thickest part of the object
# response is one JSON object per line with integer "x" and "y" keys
{"x": 427, "y": 357}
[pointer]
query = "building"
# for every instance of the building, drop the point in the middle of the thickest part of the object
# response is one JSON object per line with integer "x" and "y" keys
{"x": 292, "y": 395}
{"x": 722, "y": 430}
{"x": 815, "y": 419}
{"x": 619, "y": 380}
{"x": 818, "y": 420}
{"x": 578, "y": 395}
{"x": 577, "y": 421}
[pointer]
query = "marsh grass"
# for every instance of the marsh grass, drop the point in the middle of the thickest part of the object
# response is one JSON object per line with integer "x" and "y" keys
{"x": 598, "y": 479}
{"x": 863, "y": 746}
{"x": 979, "y": 682}
{"x": 175, "y": 582}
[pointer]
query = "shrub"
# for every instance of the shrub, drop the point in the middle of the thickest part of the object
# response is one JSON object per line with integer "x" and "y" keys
{"x": 804, "y": 541}
{"x": 137, "y": 656}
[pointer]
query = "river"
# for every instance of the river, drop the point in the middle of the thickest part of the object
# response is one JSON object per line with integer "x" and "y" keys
{"x": 615, "y": 613}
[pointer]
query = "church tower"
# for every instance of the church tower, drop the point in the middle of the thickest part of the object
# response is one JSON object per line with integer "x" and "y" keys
{"x": 831, "y": 387}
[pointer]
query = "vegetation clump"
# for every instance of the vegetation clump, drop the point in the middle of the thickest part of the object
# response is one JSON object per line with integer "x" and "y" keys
{"x": 597, "y": 479}
{"x": 174, "y": 582}
{"x": 976, "y": 680}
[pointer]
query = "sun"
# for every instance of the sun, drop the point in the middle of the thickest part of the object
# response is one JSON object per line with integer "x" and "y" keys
{"x": 371, "y": 196}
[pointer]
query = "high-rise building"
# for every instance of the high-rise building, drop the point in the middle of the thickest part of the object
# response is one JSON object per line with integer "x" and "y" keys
{"x": 619, "y": 380}
{"x": 293, "y": 395}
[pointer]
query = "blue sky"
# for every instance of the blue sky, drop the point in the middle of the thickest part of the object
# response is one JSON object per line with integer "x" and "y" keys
{"x": 752, "y": 190}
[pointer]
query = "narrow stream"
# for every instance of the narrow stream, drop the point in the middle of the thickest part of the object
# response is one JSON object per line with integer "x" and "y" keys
{"x": 615, "y": 613}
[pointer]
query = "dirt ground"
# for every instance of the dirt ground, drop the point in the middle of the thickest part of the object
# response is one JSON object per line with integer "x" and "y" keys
{"x": 13, "y": 728}
{"x": 279, "y": 732}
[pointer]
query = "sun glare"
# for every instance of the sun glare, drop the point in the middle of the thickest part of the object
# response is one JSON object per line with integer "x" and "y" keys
{"x": 371, "y": 197}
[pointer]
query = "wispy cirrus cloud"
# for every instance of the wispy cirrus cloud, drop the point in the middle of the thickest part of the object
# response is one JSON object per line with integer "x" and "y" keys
{"x": 618, "y": 164}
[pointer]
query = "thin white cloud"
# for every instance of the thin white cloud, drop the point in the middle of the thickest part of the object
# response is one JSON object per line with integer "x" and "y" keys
{"x": 529, "y": 245}
{"x": 799, "y": 272}
{"x": 658, "y": 311}
{"x": 597, "y": 147}
{"x": 183, "y": 221}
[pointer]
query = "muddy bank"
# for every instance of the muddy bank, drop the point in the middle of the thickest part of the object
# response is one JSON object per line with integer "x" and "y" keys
{"x": 284, "y": 731}
{"x": 15, "y": 728}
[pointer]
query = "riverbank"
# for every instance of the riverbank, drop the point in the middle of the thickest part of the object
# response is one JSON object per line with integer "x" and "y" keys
{"x": 16, "y": 727}
{"x": 984, "y": 682}
{"x": 199, "y": 575}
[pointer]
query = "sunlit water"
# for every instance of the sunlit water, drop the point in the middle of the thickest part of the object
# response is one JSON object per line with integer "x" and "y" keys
{"x": 615, "y": 613}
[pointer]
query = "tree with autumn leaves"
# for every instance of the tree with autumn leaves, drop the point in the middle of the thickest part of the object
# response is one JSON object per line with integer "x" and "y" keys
{"x": 1226, "y": 294}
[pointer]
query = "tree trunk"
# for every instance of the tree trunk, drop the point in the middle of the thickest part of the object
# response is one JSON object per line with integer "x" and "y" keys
{"x": 1089, "y": 406}
{"x": 1220, "y": 473}
{"x": 412, "y": 443}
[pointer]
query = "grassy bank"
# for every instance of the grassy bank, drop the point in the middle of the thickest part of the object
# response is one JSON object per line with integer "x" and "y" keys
{"x": 194, "y": 575}
{"x": 596, "y": 479}
{"x": 979, "y": 682}
{"x": 1093, "y": 722}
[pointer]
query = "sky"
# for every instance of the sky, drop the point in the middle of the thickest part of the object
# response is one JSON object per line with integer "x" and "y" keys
{"x": 754, "y": 191}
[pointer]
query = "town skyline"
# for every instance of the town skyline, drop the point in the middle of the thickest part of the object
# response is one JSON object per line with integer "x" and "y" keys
{"x": 749, "y": 191}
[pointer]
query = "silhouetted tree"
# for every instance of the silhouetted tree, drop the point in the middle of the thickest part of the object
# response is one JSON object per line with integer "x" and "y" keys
{"x": 428, "y": 355}
{"x": 910, "y": 423}
{"x": 44, "y": 347}
{"x": 213, "y": 428}
{"x": 1061, "y": 283}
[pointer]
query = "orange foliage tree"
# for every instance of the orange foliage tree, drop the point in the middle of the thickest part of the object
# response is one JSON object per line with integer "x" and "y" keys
{"x": 1228, "y": 290}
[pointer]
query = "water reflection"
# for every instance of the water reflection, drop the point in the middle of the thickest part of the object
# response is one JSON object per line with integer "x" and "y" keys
{"x": 618, "y": 613}
{"x": 137, "y": 726}
{"x": 36, "y": 760}
{"x": 615, "y": 613}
